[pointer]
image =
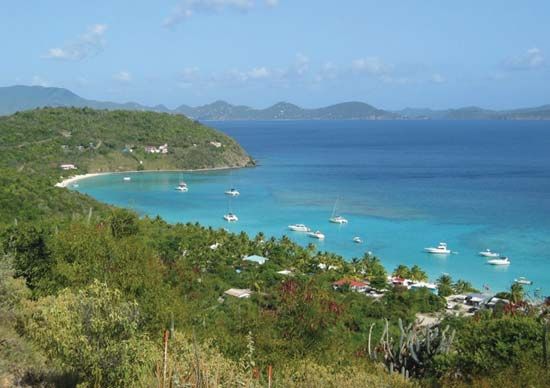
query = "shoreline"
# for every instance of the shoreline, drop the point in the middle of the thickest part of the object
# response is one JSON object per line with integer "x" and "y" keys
{"x": 76, "y": 178}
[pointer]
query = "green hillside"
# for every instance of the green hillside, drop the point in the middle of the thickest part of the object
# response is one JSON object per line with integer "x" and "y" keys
{"x": 97, "y": 141}
{"x": 88, "y": 292}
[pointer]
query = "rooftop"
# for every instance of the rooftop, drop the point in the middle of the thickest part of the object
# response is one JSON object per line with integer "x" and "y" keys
{"x": 256, "y": 259}
{"x": 238, "y": 292}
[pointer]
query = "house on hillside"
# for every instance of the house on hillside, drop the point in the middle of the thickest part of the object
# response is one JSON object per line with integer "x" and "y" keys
{"x": 163, "y": 149}
{"x": 216, "y": 144}
{"x": 255, "y": 258}
{"x": 67, "y": 166}
{"x": 239, "y": 293}
{"x": 285, "y": 272}
{"x": 354, "y": 285}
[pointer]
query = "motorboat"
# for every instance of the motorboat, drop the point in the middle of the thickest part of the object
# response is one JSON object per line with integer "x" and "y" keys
{"x": 232, "y": 192}
{"x": 523, "y": 281}
{"x": 357, "y": 240}
{"x": 182, "y": 187}
{"x": 500, "y": 261}
{"x": 317, "y": 234}
{"x": 230, "y": 217}
{"x": 127, "y": 179}
{"x": 338, "y": 220}
{"x": 489, "y": 253}
{"x": 440, "y": 249}
{"x": 299, "y": 228}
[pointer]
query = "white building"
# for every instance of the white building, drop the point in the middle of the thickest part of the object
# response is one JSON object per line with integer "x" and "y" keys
{"x": 67, "y": 166}
{"x": 238, "y": 293}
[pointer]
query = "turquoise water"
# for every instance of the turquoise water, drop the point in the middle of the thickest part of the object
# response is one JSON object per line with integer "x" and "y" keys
{"x": 403, "y": 185}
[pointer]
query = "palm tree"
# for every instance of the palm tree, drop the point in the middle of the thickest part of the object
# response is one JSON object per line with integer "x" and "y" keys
{"x": 462, "y": 286}
{"x": 416, "y": 273}
{"x": 402, "y": 271}
{"x": 444, "y": 285}
{"x": 516, "y": 292}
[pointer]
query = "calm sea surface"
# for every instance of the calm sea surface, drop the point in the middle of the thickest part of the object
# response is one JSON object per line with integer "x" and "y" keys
{"x": 403, "y": 185}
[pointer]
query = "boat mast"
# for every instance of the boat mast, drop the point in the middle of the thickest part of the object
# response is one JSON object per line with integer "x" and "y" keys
{"x": 334, "y": 208}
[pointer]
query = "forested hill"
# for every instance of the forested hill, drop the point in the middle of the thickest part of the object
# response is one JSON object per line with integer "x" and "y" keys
{"x": 95, "y": 141}
{"x": 34, "y": 144}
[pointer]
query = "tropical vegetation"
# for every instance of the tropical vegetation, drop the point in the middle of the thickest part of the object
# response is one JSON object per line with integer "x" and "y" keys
{"x": 92, "y": 295}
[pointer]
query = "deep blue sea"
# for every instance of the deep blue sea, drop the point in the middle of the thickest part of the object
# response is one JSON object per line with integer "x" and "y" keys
{"x": 403, "y": 186}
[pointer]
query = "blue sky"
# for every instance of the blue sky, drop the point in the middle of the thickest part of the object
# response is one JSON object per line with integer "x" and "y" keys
{"x": 392, "y": 54}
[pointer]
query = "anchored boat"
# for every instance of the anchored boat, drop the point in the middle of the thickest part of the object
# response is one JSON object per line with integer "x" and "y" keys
{"x": 299, "y": 228}
{"x": 440, "y": 249}
{"x": 317, "y": 234}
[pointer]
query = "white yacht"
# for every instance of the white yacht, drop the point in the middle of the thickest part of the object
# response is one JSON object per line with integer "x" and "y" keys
{"x": 182, "y": 187}
{"x": 523, "y": 281}
{"x": 317, "y": 234}
{"x": 489, "y": 253}
{"x": 299, "y": 228}
{"x": 232, "y": 192}
{"x": 440, "y": 249}
{"x": 357, "y": 240}
{"x": 499, "y": 261}
{"x": 127, "y": 179}
{"x": 338, "y": 220}
{"x": 230, "y": 217}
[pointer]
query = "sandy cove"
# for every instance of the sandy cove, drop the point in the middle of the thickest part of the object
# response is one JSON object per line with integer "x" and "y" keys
{"x": 75, "y": 178}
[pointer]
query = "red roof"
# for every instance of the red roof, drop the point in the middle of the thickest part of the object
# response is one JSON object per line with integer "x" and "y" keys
{"x": 350, "y": 282}
{"x": 398, "y": 279}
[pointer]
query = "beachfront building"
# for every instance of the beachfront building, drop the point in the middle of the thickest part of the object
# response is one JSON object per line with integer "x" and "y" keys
{"x": 475, "y": 300}
{"x": 239, "y": 293}
{"x": 256, "y": 259}
{"x": 354, "y": 285}
{"x": 67, "y": 166}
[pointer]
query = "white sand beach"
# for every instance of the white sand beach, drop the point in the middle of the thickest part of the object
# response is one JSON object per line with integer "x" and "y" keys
{"x": 75, "y": 178}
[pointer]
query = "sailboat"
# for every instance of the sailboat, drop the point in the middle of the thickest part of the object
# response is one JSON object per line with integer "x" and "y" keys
{"x": 230, "y": 217}
{"x": 335, "y": 219}
{"x": 182, "y": 186}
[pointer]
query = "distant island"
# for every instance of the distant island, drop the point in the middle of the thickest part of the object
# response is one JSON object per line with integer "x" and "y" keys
{"x": 21, "y": 98}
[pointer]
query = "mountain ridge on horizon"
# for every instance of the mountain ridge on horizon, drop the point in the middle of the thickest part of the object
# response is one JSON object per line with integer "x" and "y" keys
{"x": 21, "y": 97}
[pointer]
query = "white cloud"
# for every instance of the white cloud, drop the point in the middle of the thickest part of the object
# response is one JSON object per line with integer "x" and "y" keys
{"x": 259, "y": 72}
{"x": 301, "y": 65}
{"x": 328, "y": 71}
{"x": 370, "y": 65}
{"x": 438, "y": 78}
{"x": 187, "y": 8}
{"x": 530, "y": 60}
{"x": 39, "y": 81}
{"x": 122, "y": 76}
{"x": 188, "y": 77}
{"x": 190, "y": 74}
{"x": 88, "y": 44}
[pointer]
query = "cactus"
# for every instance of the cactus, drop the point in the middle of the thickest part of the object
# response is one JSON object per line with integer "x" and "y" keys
{"x": 414, "y": 350}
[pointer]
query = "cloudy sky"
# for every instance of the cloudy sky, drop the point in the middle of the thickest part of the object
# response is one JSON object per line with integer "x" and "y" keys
{"x": 392, "y": 54}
